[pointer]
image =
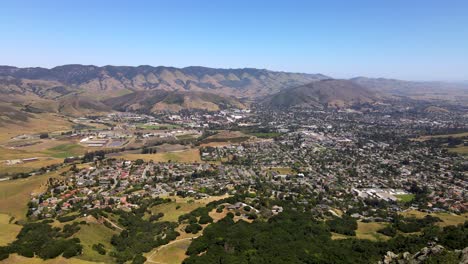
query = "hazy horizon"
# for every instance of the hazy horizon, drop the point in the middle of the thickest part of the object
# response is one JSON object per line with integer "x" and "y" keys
{"x": 417, "y": 40}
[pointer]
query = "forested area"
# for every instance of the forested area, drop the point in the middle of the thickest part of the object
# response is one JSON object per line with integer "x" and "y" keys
{"x": 294, "y": 237}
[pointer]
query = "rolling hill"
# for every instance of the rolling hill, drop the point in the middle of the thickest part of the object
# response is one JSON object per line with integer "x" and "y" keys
{"x": 160, "y": 100}
{"x": 322, "y": 94}
{"x": 114, "y": 81}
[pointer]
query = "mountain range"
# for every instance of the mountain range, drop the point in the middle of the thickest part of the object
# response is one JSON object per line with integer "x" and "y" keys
{"x": 83, "y": 89}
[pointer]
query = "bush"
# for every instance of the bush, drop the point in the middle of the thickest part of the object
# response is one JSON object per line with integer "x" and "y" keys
{"x": 345, "y": 225}
{"x": 205, "y": 219}
{"x": 388, "y": 231}
{"x": 99, "y": 248}
{"x": 193, "y": 228}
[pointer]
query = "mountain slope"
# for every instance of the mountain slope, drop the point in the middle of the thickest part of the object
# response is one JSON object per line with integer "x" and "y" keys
{"x": 428, "y": 91}
{"x": 325, "y": 93}
{"x": 160, "y": 100}
{"x": 114, "y": 81}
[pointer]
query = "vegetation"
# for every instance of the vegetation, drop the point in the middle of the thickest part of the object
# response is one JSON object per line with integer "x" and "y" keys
{"x": 294, "y": 237}
{"x": 42, "y": 240}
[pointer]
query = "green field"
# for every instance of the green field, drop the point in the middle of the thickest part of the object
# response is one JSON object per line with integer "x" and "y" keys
{"x": 405, "y": 197}
{"x": 65, "y": 150}
{"x": 157, "y": 127}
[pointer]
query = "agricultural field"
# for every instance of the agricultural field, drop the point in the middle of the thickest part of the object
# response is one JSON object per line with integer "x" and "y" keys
{"x": 187, "y": 156}
{"x": 66, "y": 150}
{"x": 157, "y": 127}
{"x": 227, "y": 136}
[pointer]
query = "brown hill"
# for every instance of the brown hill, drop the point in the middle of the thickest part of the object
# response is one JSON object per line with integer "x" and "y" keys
{"x": 325, "y": 93}
{"x": 158, "y": 100}
{"x": 114, "y": 81}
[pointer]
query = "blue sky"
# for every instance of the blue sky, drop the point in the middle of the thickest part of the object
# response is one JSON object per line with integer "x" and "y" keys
{"x": 411, "y": 39}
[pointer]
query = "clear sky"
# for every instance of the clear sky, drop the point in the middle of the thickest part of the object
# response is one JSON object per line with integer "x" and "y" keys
{"x": 406, "y": 39}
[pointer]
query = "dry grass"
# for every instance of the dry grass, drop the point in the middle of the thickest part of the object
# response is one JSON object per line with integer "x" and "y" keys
{"x": 42, "y": 123}
{"x": 463, "y": 150}
{"x": 369, "y": 231}
{"x": 15, "y": 194}
{"x": 336, "y": 236}
{"x": 94, "y": 233}
{"x": 14, "y": 259}
{"x": 171, "y": 213}
{"x": 447, "y": 219}
{"x": 186, "y": 206}
{"x": 171, "y": 254}
{"x": 29, "y": 166}
{"x": 457, "y": 135}
{"x": 9, "y": 230}
{"x": 281, "y": 170}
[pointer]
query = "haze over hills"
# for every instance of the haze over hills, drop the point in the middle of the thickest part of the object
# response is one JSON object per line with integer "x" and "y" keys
{"x": 83, "y": 89}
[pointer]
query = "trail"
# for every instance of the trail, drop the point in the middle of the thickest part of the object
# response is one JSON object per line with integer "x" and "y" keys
{"x": 163, "y": 246}
{"x": 113, "y": 224}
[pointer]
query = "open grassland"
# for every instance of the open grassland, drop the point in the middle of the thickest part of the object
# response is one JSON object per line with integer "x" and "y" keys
{"x": 15, "y": 259}
{"x": 428, "y": 137}
{"x": 28, "y": 166}
{"x": 365, "y": 231}
{"x": 57, "y": 149}
{"x": 170, "y": 211}
{"x": 369, "y": 231}
{"x": 42, "y": 123}
{"x": 187, "y": 156}
{"x": 94, "y": 233}
{"x": 335, "y": 236}
{"x": 186, "y": 205}
{"x": 8, "y": 230}
{"x": 447, "y": 218}
{"x": 15, "y": 194}
{"x": 173, "y": 253}
{"x": 463, "y": 150}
